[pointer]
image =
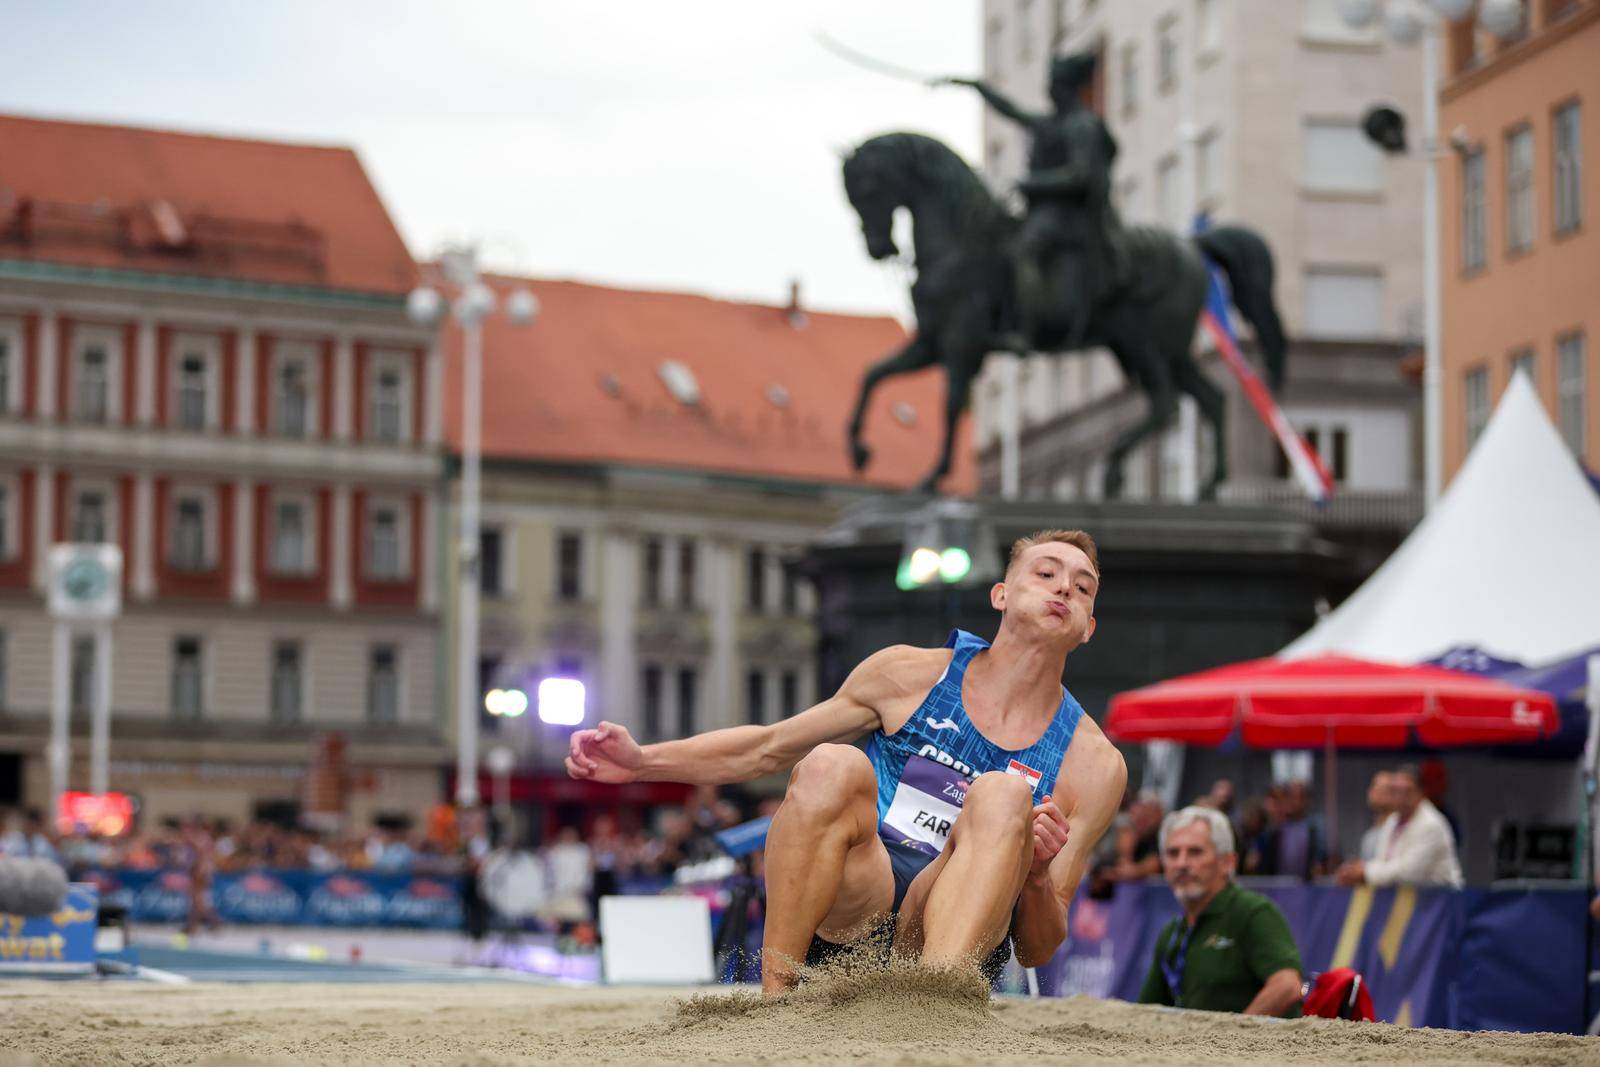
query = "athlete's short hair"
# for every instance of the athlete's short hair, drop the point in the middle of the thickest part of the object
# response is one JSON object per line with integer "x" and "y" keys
{"x": 1076, "y": 538}
{"x": 1221, "y": 829}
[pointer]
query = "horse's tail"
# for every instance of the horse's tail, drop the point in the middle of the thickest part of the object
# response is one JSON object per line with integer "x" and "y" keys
{"x": 1247, "y": 261}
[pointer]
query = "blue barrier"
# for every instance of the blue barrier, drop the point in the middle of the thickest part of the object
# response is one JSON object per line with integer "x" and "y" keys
{"x": 289, "y": 898}
{"x": 1475, "y": 959}
{"x": 61, "y": 942}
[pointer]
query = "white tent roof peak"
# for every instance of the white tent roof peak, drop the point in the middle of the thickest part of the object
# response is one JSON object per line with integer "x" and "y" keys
{"x": 1507, "y": 560}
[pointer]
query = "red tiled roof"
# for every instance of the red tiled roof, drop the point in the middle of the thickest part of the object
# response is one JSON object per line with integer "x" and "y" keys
{"x": 583, "y": 384}
{"x": 179, "y": 203}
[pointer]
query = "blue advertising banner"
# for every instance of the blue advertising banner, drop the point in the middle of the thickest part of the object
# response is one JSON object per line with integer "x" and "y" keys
{"x": 60, "y": 941}
{"x": 1477, "y": 959}
{"x": 289, "y": 898}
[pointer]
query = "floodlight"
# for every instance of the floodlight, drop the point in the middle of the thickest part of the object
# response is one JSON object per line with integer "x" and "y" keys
{"x": 561, "y": 701}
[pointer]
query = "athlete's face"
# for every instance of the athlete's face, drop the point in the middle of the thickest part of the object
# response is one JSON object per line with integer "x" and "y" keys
{"x": 1050, "y": 589}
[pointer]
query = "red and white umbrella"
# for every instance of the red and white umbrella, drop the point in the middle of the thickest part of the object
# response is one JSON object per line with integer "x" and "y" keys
{"x": 1332, "y": 702}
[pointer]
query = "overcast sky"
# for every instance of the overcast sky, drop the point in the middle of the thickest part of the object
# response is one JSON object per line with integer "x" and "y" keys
{"x": 671, "y": 144}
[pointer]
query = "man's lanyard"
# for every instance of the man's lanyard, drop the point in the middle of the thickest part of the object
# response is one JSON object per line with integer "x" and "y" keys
{"x": 1173, "y": 970}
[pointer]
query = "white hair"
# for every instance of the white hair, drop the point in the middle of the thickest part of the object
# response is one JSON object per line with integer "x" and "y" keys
{"x": 1221, "y": 828}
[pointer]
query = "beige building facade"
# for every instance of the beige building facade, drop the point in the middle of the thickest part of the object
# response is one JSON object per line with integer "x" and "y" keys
{"x": 1248, "y": 110}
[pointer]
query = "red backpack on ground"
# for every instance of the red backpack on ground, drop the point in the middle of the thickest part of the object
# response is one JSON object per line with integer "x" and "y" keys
{"x": 1339, "y": 994}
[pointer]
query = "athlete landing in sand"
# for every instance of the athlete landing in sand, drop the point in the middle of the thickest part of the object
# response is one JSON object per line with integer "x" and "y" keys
{"x": 973, "y": 811}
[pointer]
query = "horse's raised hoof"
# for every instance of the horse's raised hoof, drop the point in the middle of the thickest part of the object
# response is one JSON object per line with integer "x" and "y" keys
{"x": 860, "y": 455}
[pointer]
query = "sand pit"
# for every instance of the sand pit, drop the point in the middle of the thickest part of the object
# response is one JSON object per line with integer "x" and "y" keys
{"x": 900, "y": 1018}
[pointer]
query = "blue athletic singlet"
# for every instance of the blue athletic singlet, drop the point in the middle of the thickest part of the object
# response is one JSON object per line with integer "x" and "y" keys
{"x": 924, "y": 767}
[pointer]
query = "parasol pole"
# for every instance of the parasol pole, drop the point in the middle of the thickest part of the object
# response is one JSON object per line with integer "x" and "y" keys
{"x": 1330, "y": 794}
{"x": 1591, "y": 772}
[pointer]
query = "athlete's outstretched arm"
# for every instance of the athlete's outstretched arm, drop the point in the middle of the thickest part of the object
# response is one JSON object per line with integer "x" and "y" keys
{"x": 737, "y": 754}
{"x": 1096, "y": 776}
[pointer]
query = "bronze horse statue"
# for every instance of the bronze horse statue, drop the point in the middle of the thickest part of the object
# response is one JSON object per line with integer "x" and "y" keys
{"x": 963, "y": 298}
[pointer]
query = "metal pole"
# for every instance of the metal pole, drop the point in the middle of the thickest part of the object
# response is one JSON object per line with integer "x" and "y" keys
{"x": 1591, "y": 775}
{"x": 1330, "y": 796}
{"x": 1432, "y": 370}
{"x": 60, "y": 750}
{"x": 467, "y": 559}
{"x": 100, "y": 728}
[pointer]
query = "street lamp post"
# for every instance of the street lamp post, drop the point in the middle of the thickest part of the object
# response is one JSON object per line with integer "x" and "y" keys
{"x": 474, "y": 302}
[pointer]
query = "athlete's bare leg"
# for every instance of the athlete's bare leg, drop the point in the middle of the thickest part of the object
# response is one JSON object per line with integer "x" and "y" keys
{"x": 827, "y": 872}
{"x": 959, "y": 907}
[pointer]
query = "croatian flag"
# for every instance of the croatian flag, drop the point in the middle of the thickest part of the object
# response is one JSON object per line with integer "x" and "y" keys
{"x": 1303, "y": 460}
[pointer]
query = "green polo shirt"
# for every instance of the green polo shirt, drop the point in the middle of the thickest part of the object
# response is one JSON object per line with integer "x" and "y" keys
{"x": 1239, "y": 941}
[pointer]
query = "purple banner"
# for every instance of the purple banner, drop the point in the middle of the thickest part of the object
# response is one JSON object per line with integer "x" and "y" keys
{"x": 1470, "y": 960}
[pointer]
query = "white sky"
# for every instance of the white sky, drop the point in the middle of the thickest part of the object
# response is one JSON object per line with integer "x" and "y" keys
{"x": 673, "y": 145}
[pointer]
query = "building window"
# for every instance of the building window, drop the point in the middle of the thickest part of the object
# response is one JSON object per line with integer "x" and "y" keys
{"x": 1168, "y": 209}
{"x": 1208, "y": 19}
{"x": 791, "y": 589}
{"x": 1336, "y": 157}
{"x": 293, "y": 395}
{"x": 788, "y": 693}
{"x": 1207, "y": 166}
{"x": 193, "y": 372}
{"x": 755, "y": 697}
{"x": 569, "y": 566}
{"x": 1524, "y": 361}
{"x": 1167, "y": 55}
{"x": 291, "y": 538}
{"x": 287, "y": 682}
{"x": 688, "y": 556}
{"x": 186, "y": 678}
{"x": 92, "y": 388}
{"x": 8, "y": 373}
{"x": 81, "y": 685}
{"x": 756, "y": 580}
{"x": 651, "y": 572}
{"x": 688, "y": 690}
{"x": 1571, "y": 386}
{"x": 383, "y": 685}
{"x": 1129, "y": 84}
{"x": 389, "y": 403}
{"x": 650, "y": 702}
{"x": 385, "y": 543}
{"x": 1519, "y": 189}
{"x": 491, "y": 566}
{"x": 1343, "y": 303}
{"x": 189, "y": 534}
{"x": 1568, "y": 167}
{"x": 1339, "y": 454}
{"x": 1476, "y": 407}
{"x": 1474, "y": 211}
{"x": 91, "y": 524}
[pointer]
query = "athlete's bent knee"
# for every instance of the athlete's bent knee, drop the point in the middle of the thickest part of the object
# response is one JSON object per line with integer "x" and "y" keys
{"x": 998, "y": 804}
{"x": 829, "y": 779}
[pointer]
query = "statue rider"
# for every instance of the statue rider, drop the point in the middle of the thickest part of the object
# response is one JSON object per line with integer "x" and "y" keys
{"x": 1070, "y": 224}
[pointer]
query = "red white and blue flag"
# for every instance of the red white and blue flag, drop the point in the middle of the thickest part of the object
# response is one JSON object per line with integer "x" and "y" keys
{"x": 1303, "y": 459}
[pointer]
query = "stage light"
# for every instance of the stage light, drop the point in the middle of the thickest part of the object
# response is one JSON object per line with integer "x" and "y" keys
{"x": 561, "y": 701}
{"x": 924, "y": 565}
{"x": 954, "y": 563}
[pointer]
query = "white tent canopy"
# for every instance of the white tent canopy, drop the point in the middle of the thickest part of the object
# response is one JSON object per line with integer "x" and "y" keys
{"x": 1508, "y": 560}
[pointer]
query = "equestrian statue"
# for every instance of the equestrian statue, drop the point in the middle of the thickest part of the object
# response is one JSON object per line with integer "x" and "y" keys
{"x": 1067, "y": 275}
